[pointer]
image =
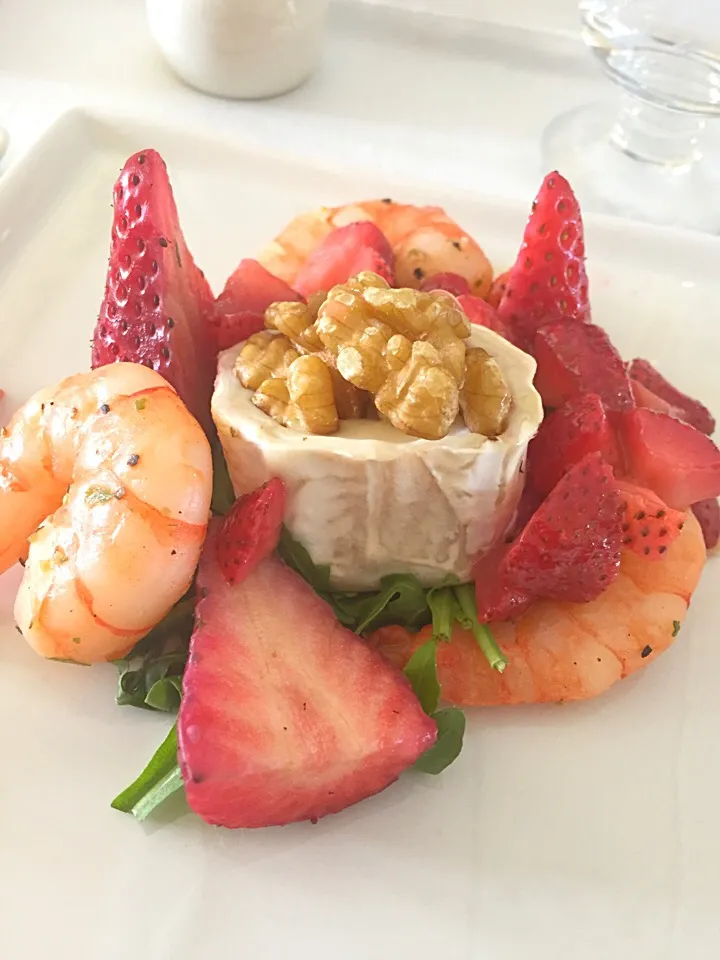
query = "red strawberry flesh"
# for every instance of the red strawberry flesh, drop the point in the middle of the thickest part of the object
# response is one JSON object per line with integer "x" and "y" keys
{"x": 497, "y": 291}
{"x": 346, "y": 252}
{"x": 286, "y": 715}
{"x": 676, "y": 461}
{"x": 157, "y": 303}
{"x": 480, "y": 312}
{"x": 548, "y": 280}
{"x": 240, "y": 308}
{"x": 576, "y": 358}
{"x": 646, "y": 398}
{"x": 251, "y": 530}
{"x": 568, "y": 434}
{"x": 569, "y": 549}
{"x": 689, "y": 410}
{"x": 450, "y": 282}
{"x": 649, "y": 526}
{"x": 708, "y": 516}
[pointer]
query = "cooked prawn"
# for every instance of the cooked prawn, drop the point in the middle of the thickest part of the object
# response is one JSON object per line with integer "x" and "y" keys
{"x": 570, "y": 651}
{"x": 110, "y": 479}
{"x": 424, "y": 239}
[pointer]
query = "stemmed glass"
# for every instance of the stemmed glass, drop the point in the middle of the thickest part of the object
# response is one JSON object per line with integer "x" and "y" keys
{"x": 654, "y": 155}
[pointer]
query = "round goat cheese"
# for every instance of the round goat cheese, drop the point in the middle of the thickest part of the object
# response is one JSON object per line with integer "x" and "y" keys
{"x": 369, "y": 500}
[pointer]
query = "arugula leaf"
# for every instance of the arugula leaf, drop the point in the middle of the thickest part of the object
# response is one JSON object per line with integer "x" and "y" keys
{"x": 165, "y": 694}
{"x": 223, "y": 495}
{"x": 159, "y": 657}
{"x": 445, "y": 610}
{"x": 451, "y": 730}
{"x": 421, "y": 671}
{"x": 402, "y": 599}
{"x": 465, "y": 594}
{"x": 160, "y": 778}
{"x": 296, "y": 556}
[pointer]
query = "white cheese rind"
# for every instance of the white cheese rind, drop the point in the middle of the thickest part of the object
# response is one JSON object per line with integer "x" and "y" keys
{"x": 369, "y": 500}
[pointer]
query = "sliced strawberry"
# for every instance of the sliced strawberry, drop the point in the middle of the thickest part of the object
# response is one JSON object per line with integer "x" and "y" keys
{"x": 689, "y": 410}
{"x": 450, "y": 282}
{"x": 497, "y": 290}
{"x": 568, "y": 434}
{"x": 670, "y": 457}
{"x": 646, "y": 398}
{"x": 548, "y": 280}
{"x": 569, "y": 549}
{"x": 708, "y": 515}
{"x": 251, "y": 531}
{"x": 649, "y": 526}
{"x": 286, "y": 715}
{"x": 575, "y": 358}
{"x": 345, "y": 253}
{"x": 157, "y": 303}
{"x": 240, "y": 308}
{"x": 480, "y": 312}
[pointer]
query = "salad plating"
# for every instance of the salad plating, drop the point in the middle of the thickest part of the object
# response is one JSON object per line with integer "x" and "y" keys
{"x": 406, "y": 533}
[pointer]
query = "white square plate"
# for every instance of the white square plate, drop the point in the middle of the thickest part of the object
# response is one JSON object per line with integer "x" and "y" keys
{"x": 587, "y": 831}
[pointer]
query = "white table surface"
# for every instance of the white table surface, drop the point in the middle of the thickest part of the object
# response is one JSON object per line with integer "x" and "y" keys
{"x": 476, "y": 124}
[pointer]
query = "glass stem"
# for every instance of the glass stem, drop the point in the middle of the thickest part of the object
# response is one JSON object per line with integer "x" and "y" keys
{"x": 657, "y": 135}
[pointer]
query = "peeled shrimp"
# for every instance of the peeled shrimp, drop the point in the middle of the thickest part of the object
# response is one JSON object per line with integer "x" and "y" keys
{"x": 424, "y": 239}
{"x": 570, "y": 651}
{"x": 110, "y": 478}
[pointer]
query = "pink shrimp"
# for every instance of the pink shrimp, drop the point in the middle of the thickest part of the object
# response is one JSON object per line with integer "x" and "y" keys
{"x": 570, "y": 651}
{"x": 424, "y": 239}
{"x": 110, "y": 478}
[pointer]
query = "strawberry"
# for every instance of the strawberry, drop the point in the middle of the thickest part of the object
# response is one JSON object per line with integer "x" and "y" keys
{"x": 286, "y": 715}
{"x": 450, "y": 282}
{"x": 497, "y": 290}
{"x": 480, "y": 312}
{"x": 569, "y": 549}
{"x": 577, "y": 428}
{"x": 649, "y": 526}
{"x": 673, "y": 459}
{"x": 240, "y": 308}
{"x": 251, "y": 531}
{"x": 708, "y": 516}
{"x": 548, "y": 281}
{"x": 689, "y": 410}
{"x": 157, "y": 303}
{"x": 646, "y": 398}
{"x": 575, "y": 358}
{"x": 344, "y": 253}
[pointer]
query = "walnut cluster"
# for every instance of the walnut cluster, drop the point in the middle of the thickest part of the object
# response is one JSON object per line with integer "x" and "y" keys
{"x": 366, "y": 349}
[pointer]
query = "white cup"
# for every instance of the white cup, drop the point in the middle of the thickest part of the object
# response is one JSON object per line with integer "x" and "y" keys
{"x": 245, "y": 49}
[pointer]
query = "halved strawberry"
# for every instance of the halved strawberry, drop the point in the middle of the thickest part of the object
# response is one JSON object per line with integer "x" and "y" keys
{"x": 344, "y": 253}
{"x": 497, "y": 290}
{"x": 251, "y": 531}
{"x": 708, "y": 515}
{"x": 286, "y": 715}
{"x": 548, "y": 281}
{"x": 450, "y": 282}
{"x": 670, "y": 457}
{"x": 575, "y": 358}
{"x": 577, "y": 428}
{"x": 480, "y": 312}
{"x": 569, "y": 549}
{"x": 689, "y": 410}
{"x": 240, "y": 308}
{"x": 157, "y": 302}
{"x": 649, "y": 526}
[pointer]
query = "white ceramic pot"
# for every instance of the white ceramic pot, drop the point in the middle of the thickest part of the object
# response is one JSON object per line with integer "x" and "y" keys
{"x": 246, "y": 49}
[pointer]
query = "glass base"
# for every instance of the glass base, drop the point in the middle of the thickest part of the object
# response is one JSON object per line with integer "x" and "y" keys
{"x": 634, "y": 165}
